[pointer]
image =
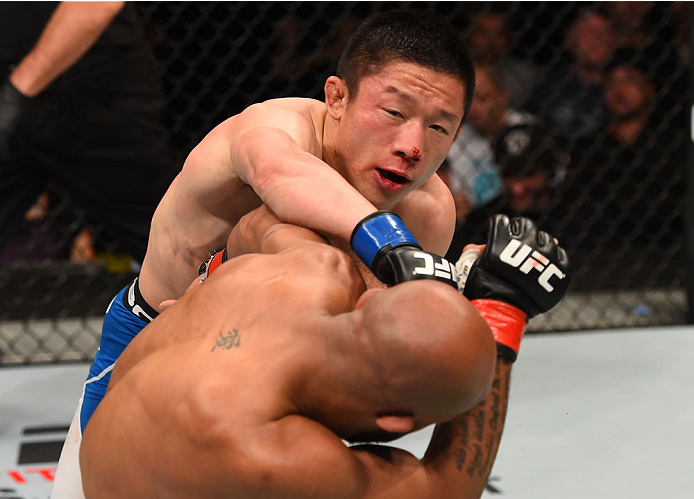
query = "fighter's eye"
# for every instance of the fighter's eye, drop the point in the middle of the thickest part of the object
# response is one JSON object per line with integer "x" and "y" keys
{"x": 439, "y": 128}
{"x": 393, "y": 112}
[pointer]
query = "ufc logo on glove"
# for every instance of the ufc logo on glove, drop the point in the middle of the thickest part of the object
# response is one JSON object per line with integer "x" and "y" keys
{"x": 442, "y": 269}
{"x": 518, "y": 255}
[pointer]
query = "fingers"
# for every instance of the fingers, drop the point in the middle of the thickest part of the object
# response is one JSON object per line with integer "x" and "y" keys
{"x": 166, "y": 304}
{"x": 196, "y": 282}
{"x": 474, "y": 247}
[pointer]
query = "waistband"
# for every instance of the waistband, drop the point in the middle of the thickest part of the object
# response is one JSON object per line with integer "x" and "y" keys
{"x": 136, "y": 304}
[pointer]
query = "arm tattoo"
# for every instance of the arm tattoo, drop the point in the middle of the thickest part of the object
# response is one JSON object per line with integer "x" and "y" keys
{"x": 476, "y": 461}
{"x": 463, "y": 449}
{"x": 464, "y": 432}
{"x": 476, "y": 449}
{"x": 231, "y": 340}
{"x": 494, "y": 420}
{"x": 460, "y": 456}
{"x": 479, "y": 425}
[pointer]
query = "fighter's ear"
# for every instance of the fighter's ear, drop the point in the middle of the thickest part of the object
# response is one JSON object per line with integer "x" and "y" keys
{"x": 335, "y": 96}
{"x": 396, "y": 423}
{"x": 457, "y": 132}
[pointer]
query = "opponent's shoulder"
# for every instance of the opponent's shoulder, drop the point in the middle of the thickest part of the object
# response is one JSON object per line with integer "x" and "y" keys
{"x": 429, "y": 213}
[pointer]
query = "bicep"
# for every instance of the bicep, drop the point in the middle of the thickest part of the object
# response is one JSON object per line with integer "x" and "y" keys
{"x": 308, "y": 460}
{"x": 260, "y": 231}
{"x": 264, "y": 128}
{"x": 268, "y": 132}
{"x": 297, "y": 457}
{"x": 392, "y": 473}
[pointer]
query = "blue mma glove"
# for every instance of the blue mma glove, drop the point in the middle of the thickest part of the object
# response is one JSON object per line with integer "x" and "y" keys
{"x": 384, "y": 244}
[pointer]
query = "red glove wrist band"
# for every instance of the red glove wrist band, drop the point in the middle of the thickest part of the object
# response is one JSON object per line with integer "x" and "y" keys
{"x": 219, "y": 258}
{"x": 507, "y": 323}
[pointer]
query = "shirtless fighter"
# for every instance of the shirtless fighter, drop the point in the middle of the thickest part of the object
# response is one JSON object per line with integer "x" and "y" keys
{"x": 403, "y": 86}
{"x": 374, "y": 144}
{"x": 244, "y": 387}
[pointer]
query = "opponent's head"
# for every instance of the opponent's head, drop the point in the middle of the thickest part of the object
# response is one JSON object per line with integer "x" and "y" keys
{"x": 404, "y": 83}
{"x": 410, "y": 356}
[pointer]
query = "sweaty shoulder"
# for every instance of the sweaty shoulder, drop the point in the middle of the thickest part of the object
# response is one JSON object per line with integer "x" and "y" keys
{"x": 429, "y": 213}
{"x": 302, "y": 119}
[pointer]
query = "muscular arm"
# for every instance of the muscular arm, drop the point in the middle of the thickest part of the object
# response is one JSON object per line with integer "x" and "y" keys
{"x": 260, "y": 231}
{"x": 459, "y": 457}
{"x": 455, "y": 466}
{"x": 270, "y": 149}
{"x": 274, "y": 148}
{"x": 297, "y": 185}
{"x": 71, "y": 31}
{"x": 462, "y": 451}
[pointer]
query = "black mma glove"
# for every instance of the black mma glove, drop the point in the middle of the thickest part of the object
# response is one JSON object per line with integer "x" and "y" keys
{"x": 392, "y": 253}
{"x": 521, "y": 273}
{"x": 521, "y": 266}
{"x": 12, "y": 105}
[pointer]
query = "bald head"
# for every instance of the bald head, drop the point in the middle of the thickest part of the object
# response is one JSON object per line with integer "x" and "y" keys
{"x": 408, "y": 356}
{"x": 431, "y": 352}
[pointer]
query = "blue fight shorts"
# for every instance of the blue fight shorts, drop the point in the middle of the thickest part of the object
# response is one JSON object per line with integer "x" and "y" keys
{"x": 127, "y": 315}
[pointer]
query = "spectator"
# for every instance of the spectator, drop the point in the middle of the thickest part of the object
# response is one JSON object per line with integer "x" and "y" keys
{"x": 474, "y": 177}
{"x": 532, "y": 166}
{"x": 649, "y": 29}
{"x": 489, "y": 39}
{"x": 81, "y": 105}
{"x": 570, "y": 97}
{"x": 639, "y": 162}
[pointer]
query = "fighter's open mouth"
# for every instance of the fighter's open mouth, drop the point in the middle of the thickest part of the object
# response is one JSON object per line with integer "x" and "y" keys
{"x": 393, "y": 177}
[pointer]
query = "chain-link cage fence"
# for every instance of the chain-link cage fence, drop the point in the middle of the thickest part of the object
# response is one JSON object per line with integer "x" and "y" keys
{"x": 609, "y": 80}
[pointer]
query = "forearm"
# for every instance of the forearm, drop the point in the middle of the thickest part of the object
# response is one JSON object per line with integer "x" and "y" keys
{"x": 260, "y": 231}
{"x": 298, "y": 186}
{"x": 71, "y": 31}
{"x": 462, "y": 451}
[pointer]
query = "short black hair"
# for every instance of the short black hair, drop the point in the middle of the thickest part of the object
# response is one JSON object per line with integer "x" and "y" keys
{"x": 410, "y": 36}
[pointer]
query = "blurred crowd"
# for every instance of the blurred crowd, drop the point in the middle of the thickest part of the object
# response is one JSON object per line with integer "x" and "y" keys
{"x": 591, "y": 143}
